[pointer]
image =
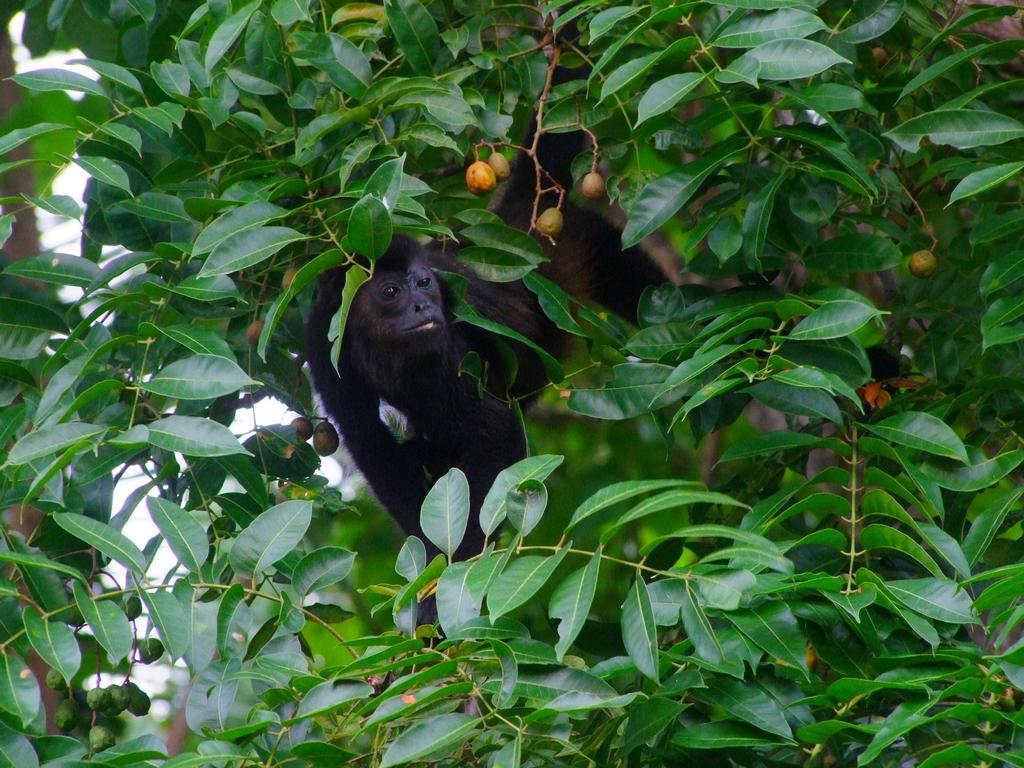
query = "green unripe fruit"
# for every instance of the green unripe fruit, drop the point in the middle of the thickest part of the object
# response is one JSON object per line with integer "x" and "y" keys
{"x": 138, "y": 701}
{"x": 133, "y": 607}
{"x": 72, "y": 616}
{"x": 550, "y": 222}
{"x": 922, "y": 263}
{"x": 150, "y": 650}
{"x": 100, "y": 738}
{"x": 55, "y": 680}
{"x": 117, "y": 700}
{"x": 96, "y": 698}
{"x": 66, "y": 715}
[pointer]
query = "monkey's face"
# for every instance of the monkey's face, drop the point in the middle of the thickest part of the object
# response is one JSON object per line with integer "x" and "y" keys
{"x": 408, "y": 305}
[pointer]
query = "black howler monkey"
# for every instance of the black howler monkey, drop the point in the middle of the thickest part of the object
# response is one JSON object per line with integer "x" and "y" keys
{"x": 402, "y": 345}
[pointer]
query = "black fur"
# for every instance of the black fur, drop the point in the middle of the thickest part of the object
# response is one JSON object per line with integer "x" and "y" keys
{"x": 454, "y": 423}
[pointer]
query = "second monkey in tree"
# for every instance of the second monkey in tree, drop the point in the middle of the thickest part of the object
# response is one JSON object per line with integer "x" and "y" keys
{"x": 403, "y": 346}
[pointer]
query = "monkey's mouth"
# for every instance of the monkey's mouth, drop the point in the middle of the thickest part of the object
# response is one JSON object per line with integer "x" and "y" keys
{"x": 427, "y": 325}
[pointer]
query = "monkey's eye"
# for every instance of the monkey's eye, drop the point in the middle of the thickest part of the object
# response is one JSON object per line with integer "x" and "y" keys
{"x": 423, "y": 282}
{"x": 389, "y": 291}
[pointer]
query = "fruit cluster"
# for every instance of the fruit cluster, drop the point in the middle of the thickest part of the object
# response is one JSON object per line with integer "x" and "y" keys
{"x": 482, "y": 177}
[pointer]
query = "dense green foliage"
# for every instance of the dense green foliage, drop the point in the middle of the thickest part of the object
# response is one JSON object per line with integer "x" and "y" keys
{"x": 848, "y": 590}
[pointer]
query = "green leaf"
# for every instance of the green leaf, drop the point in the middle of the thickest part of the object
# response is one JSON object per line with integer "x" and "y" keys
{"x": 756, "y": 29}
{"x": 855, "y": 253}
{"x": 321, "y": 568}
{"x": 628, "y": 394}
{"x": 170, "y": 621}
{"x": 416, "y": 32}
{"x": 59, "y": 205}
{"x": 19, "y": 692}
{"x": 445, "y": 511}
{"x": 288, "y": 12}
{"x": 520, "y": 581}
{"x": 961, "y": 128}
{"x": 639, "y": 633}
{"x": 797, "y": 400}
{"x": 105, "y": 539}
{"x": 17, "y": 752}
{"x": 662, "y": 198}
{"x": 193, "y": 436}
{"x": 509, "y": 672}
{"x": 974, "y": 477}
{"x": 988, "y": 523}
{"x": 172, "y": 78}
{"x": 457, "y": 603}
{"x": 328, "y": 696}
{"x": 772, "y": 627}
{"x": 749, "y": 703}
{"x": 922, "y": 432}
{"x": 985, "y": 179}
{"x": 440, "y": 734}
{"x": 1004, "y": 271}
{"x": 248, "y": 248}
{"x": 56, "y": 269}
{"x": 877, "y": 536}
{"x": 105, "y": 170}
{"x": 570, "y": 603}
{"x": 234, "y": 221}
{"x": 721, "y": 735}
{"x": 757, "y": 217}
{"x": 54, "y": 642}
{"x": 108, "y": 623}
{"x": 787, "y": 59}
{"x": 19, "y": 136}
{"x": 627, "y": 74}
{"x": 617, "y": 493}
{"x": 182, "y": 532}
{"x": 495, "y": 504}
{"x": 698, "y": 628}
{"x": 52, "y": 439}
{"x": 647, "y": 719}
{"x": 904, "y": 718}
{"x": 834, "y": 320}
{"x": 671, "y": 499}
{"x": 157, "y": 207}
{"x": 938, "y": 598}
{"x": 226, "y": 34}
{"x": 769, "y": 443}
{"x": 369, "y": 228}
{"x": 58, "y": 80}
{"x": 199, "y": 377}
{"x": 872, "y": 18}
{"x": 271, "y": 536}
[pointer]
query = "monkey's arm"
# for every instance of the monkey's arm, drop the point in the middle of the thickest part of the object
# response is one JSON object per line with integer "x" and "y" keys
{"x": 394, "y": 471}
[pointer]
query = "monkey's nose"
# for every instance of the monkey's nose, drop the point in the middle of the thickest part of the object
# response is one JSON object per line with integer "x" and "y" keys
{"x": 418, "y": 307}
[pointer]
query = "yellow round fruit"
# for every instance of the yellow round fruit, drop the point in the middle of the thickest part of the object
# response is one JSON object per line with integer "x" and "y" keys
{"x": 592, "y": 186}
{"x": 550, "y": 222}
{"x": 499, "y": 164}
{"x": 480, "y": 178}
{"x": 922, "y": 263}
